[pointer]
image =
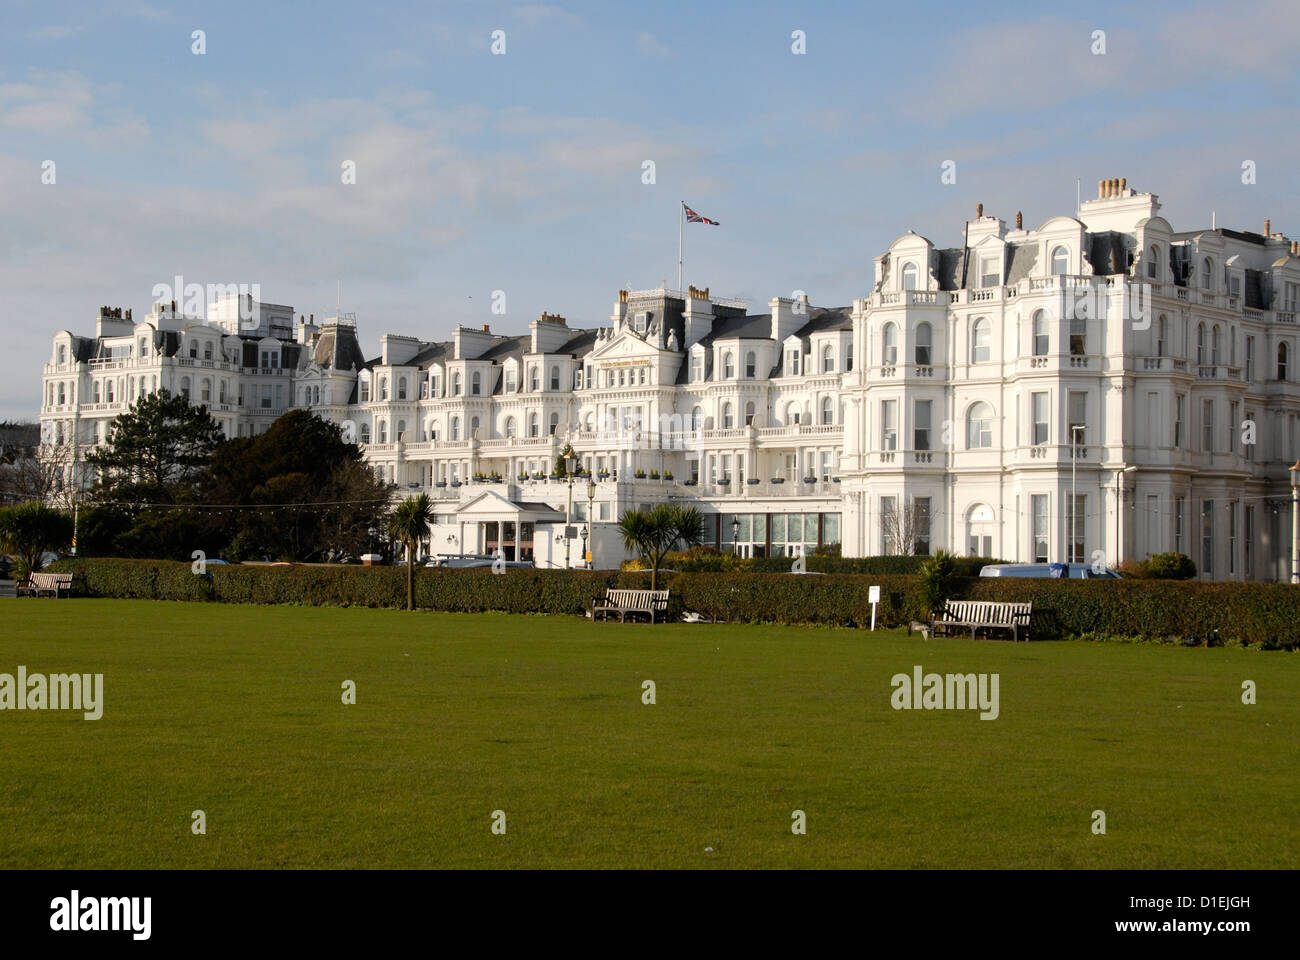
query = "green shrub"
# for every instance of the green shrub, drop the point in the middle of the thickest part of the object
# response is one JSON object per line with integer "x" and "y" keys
{"x": 937, "y": 581}
{"x": 1167, "y": 566}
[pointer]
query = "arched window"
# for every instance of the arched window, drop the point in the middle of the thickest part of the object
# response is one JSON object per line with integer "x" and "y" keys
{"x": 828, "y": 411}
{"x": 455, "y": 429}
{"x": 792, "y": 414}
{"x": 728, "y": 365}
{"x": 1162, "y": 334}
{"x": 383, "y": 388}
{"x": 205, "y": 390}
{"x": 185, "y": 389}
{"x": 476, "y": 383}
{"x": 980, "y": 351}
{"x": 1215, "y": 338}
{"x": 848, "y": 357}
{"x": 1153, "y": 264}
{"x": 473, "y": 428}
{"x": 749, "y": 413}
{"x": 1060, "y": 261}
{"x": 924, "y": 341}
{"x": 63, "y": 354}
{"x": 534, "y": 379}
{"x": 401, "y": 430}
{"x": 1281, "y": 361}
{"x": 315, "y": 393}
{"x": 555, "y": 376}
{"x": 95, "y": 393}
{"x": 365, "y": 433}
{"x": 455, "y": 384}
{"x": 401, "y": 388}
{"x": 828, "y": 359}
{"x": 383, "y": 431}
{"x": 728, "y": 415}
{"x": 909, "y": 277}
{"x": 510, "y": 427}
{"x": 1200, "y": 343}
{"x": 697, "y": 418}
{"x": 554, "y": 423}
{"x": 889, "y": 345}
{"x": 1207, "y": 273}
{"x": 207, "y": 350}
{"x": 751, "y": 365}
{"x": 1040, "y": 333}
{"x": 532, "y": 424}
{"x": 979, "y": 426}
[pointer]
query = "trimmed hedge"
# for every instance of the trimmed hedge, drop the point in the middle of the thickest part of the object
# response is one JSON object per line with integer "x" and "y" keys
{"x": 1266, "y": 615}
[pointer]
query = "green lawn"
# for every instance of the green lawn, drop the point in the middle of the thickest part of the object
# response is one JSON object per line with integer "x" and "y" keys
{"x": 237, "y": 711}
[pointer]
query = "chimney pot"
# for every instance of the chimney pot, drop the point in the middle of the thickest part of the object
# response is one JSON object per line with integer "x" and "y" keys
{"x": 1268, "y": 223}
{"x": 1020, "y": 220}
{"x": 1123, "y": 185}
{"x": 1101, "y": 189}
{"x": 486, "y": 328}
{"x": 979, "y": 210}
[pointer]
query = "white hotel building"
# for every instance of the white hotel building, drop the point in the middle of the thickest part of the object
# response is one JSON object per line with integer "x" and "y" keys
{"x": 947, "y": 398}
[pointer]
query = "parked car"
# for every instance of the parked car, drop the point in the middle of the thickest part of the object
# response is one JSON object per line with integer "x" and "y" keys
{"x": 1046, "y": 571}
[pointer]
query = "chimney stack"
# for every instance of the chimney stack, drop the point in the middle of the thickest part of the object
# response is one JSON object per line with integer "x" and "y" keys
{"x": 487, "y": 328}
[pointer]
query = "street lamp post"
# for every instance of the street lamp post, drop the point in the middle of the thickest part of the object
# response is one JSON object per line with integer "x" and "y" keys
{"x": 1295, "y": 522}
{"x": 589, "y": 543}
{"x": 568, "y": 513}
{"x": 1074, "y": 497}
{"x": 735, "y": 532}
{"x": 1119, "y": 493}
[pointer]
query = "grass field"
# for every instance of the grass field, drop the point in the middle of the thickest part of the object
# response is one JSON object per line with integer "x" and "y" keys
{"x": 237, "y": 711}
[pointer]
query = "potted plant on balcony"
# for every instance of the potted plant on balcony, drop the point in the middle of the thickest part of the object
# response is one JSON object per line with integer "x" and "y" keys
{"x": 654, "y": 474}
{"x": 690, "y": 483}
{"x": 752, "y": 480}
{"x": 778, "y": 479}
{"x": 810, "y": 479}
{"x": 725, "y": 481}
{"x": 640, "y": 474}
{"x": 441, "y": 483}
{"x": 668, "y": 475}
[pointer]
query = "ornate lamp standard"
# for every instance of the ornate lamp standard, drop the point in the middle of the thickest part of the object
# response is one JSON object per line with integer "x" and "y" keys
{"x": 1295, "y": 521}
{"x": 589, "y": 543}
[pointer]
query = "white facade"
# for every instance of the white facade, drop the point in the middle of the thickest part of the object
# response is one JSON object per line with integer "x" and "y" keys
{"x": 946, "y": 397}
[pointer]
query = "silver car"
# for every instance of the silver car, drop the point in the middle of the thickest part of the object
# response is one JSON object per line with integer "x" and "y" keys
{"x": 1049, "y": 571}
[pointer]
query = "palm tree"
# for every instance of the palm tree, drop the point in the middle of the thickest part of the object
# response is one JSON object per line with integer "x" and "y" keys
{"x": 656, "y": 530}
{"x": 409, "y": 522}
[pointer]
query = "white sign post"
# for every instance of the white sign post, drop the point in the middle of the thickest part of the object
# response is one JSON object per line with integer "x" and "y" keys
{"x": 873, "y": 596}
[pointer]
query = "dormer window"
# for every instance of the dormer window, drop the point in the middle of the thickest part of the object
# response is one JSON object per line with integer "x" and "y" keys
{"x": 1207, "y": 273}
{"x": 1060, "y": 262}
{"x": 728, "y": 365}
{"x": 990, "y": 272}
{"x": 909, "y": 277}
{"x": 510, "y": 380}
{"x": 639, "y": 323}
{"x": 792, "y": 361}
{"x": 534, "y": 379}
{"x": 1153, "y": 264}
{"x": 365, "y": 390}
{"x": 697, "y": 367}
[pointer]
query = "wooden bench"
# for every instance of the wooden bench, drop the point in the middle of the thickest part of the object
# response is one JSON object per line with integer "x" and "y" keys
{"x": 50, "y": 585}
{"x": 624, "y": 602}
{"x": 975, "y": 615}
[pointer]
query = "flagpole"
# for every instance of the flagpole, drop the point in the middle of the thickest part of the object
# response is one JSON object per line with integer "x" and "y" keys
{"x": 681, "y": 215}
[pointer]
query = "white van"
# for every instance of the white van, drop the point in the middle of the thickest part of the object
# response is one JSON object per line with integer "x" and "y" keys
{"x": 1054, "y": 571}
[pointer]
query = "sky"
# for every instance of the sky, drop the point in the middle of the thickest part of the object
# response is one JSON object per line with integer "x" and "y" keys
{"x": 525, "y": 171}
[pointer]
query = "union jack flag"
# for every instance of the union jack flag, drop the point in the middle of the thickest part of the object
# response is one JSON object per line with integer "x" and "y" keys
{"x": 693, "y": 217}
